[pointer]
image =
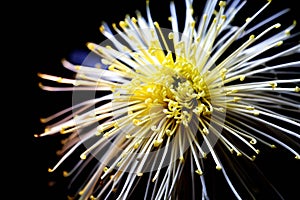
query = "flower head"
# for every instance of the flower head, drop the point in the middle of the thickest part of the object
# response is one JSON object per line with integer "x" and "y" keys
{"x": 164, "y": 102}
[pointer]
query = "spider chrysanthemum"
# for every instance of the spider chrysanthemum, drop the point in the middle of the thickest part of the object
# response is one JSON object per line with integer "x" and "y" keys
{"x": 168, "y": 101}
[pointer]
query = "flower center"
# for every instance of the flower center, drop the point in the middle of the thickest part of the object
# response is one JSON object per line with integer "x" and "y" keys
{"x": 177, "y": 86}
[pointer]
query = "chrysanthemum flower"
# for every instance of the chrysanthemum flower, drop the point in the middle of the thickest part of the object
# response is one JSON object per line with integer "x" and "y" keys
{"x": 171, "y": 101}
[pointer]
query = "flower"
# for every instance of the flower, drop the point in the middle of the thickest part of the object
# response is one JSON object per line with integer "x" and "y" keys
{"x": 166, "y": 104}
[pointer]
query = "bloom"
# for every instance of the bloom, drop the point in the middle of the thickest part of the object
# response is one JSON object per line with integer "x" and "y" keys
{"x": 172, "y": 101}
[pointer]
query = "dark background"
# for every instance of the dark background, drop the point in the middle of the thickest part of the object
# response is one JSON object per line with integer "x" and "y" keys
{"x": 46, "y": 32}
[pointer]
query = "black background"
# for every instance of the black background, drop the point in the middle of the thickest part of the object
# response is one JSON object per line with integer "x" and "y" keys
{"x": 46, "y": 32}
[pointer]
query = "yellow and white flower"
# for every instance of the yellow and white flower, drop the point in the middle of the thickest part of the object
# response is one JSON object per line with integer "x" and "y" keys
{"x": 170, "y": 97}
